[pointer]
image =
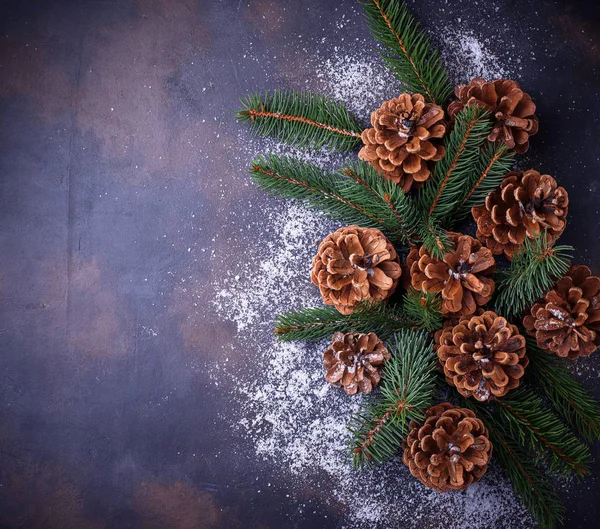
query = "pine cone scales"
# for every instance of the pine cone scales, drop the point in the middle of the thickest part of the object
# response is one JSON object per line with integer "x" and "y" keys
{"x": 567, "y": 321}
{"x": 354, "y": 361}
{"x": 526, "y": 204}
{"x": 355, "y": 264}
{"x": 404, "y": 140}
{"x": 450, "y": 450}
{"x": 483, "y": 356}
{"x": 513, "y": 110}
{"x": 462, "y": 276}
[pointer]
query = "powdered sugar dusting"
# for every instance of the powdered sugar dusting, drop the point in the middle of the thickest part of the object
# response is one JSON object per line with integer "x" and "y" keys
{"x": 292, "y": 417}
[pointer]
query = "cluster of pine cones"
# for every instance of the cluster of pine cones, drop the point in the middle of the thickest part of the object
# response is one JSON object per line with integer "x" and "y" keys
{"x": 482, "y": 355}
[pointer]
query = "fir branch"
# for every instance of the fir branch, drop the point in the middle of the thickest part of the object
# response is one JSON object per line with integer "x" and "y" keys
{"x": 493, "y": 162}
{"x": 449, "y": 180}
{"x": 301, "y": 119}
{"x": 424, "y": 309}
{"x": 533, "y": 271}
{"x": 363, "y": 185}
{"x": 321, "y": 322}
{"x": 291, "y": 178}
{"x": 529, "y": 420}
{"x": 576, "y": 406}
{"x": 434, "y": 238}
{"x": 406, "y": 392}
{"x": 528, "y": 480}
{"x": 407, "y": 50}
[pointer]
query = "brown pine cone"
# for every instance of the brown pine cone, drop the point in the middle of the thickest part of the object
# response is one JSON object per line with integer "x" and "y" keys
{"x": 512, "y": 109}
{"x": 525, "y": 204}
{"x": 405, "y": 139}
{"x": 483, "y": 356}
{"x": 461, "y": 276}
{"x": 355, "y": 264}
{"x": 450, "y": 451}
{"x": 567, "y": 321}
{"x": 354, "y": 361}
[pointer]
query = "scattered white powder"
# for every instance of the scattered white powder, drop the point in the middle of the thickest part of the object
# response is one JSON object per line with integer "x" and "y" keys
{"x": 294, "y": 419}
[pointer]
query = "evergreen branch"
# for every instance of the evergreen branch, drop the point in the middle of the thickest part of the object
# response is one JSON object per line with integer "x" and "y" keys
{"x": 530, "y": 421}
{"x": 434, "y": 238}
{"x": 576, "y": 406}
{"x": 424, "y": 309}
{"x": 533, "y": 271}
{"x": 493, "y": 163}
{"x": 447, "y": 184}
{"x": 291, "y": 178}
{"x": 301, "y": 119}
{"x": 407, "y": 50}
{"x": 364, "y": 186}
{"x": 528, "y": 480}
{"x": 407, "y": 385}
{"x": 321, "y": 322}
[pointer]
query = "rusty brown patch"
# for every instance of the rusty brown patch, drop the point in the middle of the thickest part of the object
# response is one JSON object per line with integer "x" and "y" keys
{"x": 177, "y": 506}
{"x": 580, "y": 34}
{"x": 267, "y": 18}
{"x": 42, "y": 497}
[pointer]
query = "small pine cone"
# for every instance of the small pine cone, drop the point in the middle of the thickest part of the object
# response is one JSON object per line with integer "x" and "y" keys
{"x": 354, "y": 361}
{"x": 450, "y": 451}
{"x": 526, "y": 204}
{"x": 483, "y": 356}
{"x": 512, "y": 109}
{"x": 567, "y": 321}
{"x": 405, "y": 139}
{"x": 355, "y": 264}
{"x": 461, "y": 276}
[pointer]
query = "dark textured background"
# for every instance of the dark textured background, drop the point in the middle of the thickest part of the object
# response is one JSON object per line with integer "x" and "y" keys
{"x": 116, "y": 124}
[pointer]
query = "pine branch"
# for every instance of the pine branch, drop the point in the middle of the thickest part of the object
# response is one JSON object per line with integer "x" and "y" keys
{"x": 406, "y": 392}
{"x": 493, "y": 163}
{"x": 301, "y": 119}
{"x": 449, "y": 181}
{"x": 291, "y": 178}
{"x": 530, "y": 421}
{"x": 321, "y": 322}
{"x": 576, "y": 406}
{"x": 424, "y": 309}
{"x": 528, "y": 480}
{"x": 364, "y": 186}
{"x": 407, "y": 50}
{"x": 434, "y": 238}
{"x": 533, "y": 271}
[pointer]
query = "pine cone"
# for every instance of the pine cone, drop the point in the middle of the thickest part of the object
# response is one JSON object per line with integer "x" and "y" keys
{"x": 405, "y": 139}
{"x": 567, "y": 321}
{"x": 355, "y": 264}
{"x": 525, "y": 204}
{"x": 450, "y": 451}
{"x": 483, "y": 356}
{"x": 461, "y": 276}
{"x": 512, "y": 109}
{"x": 354, "y": 361}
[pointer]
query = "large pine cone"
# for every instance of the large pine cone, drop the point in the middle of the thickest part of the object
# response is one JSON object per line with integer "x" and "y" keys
{"x": 450, "y": 451}
{"x": 405, "y": 139}
{"x": 354, "y": 361}
{"x": 525, "y": 204}
{"x": 483, "y": 356}
{"x": 512, "y": 109}
{"x": 461, "y": 276}
{"x": 355, "y": 264}
{"x": 567, "y": 321}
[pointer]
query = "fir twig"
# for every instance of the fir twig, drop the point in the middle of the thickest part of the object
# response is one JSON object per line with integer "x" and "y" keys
{"x": 407, "y": 51}
{"x": 425, "y": 310}
{"x": 301, "y": 119}
{"x": 406, "y": 392}
{"x": 493, "y": 162}
{"x": 576, "y": 406}
{"x": 528, "y": 480}
{"x": 529, "y": 420}
{"x": 450, "y": 178}
{"x": 533, "y": 271}
{"x": 434, "y": 238}
{"x": 321, "y": 322}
